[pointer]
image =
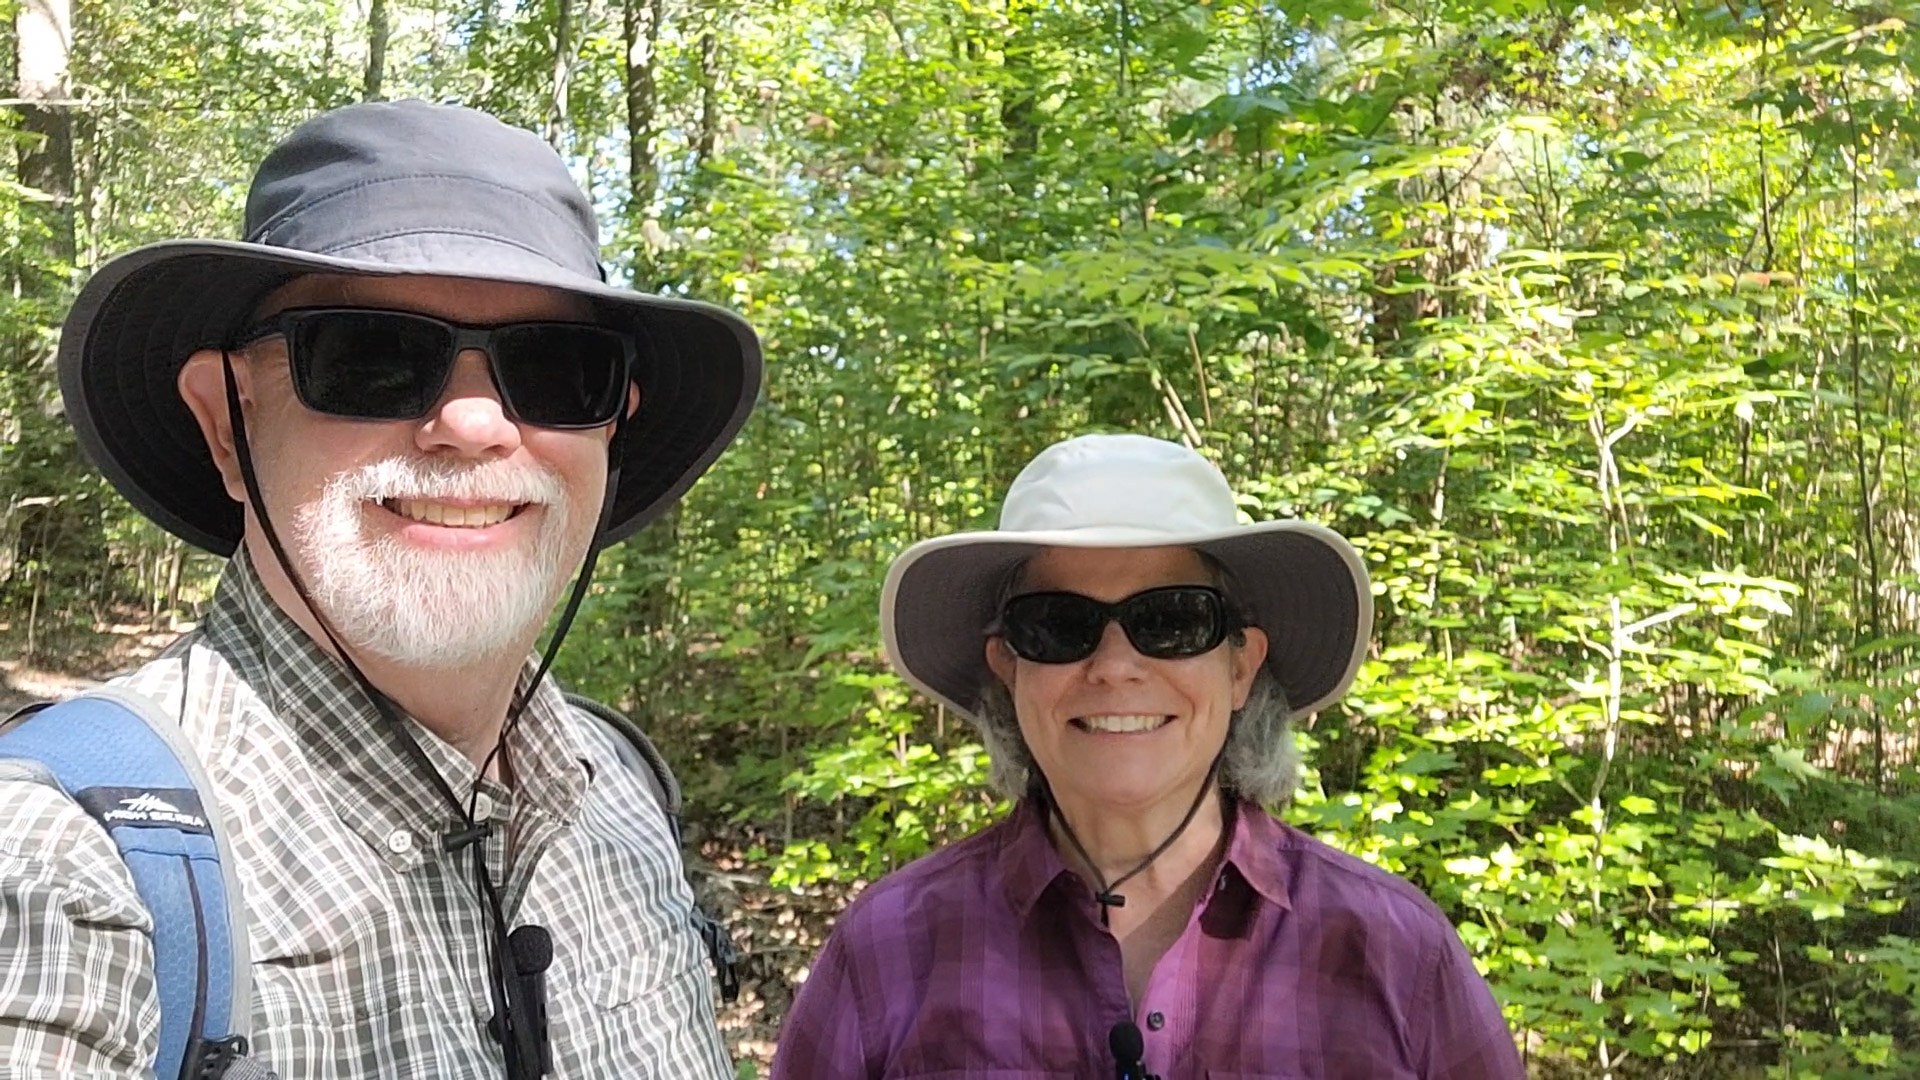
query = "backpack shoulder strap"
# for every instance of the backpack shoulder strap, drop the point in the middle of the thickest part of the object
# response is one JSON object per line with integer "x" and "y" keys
{"x": 128, "y": 766}
{"x": 639, "y": 755}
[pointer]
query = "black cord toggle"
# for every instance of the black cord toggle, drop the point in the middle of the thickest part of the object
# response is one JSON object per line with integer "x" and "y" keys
{"x": 461, "y": 837}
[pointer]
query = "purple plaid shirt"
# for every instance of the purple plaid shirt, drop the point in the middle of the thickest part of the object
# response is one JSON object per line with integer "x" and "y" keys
{"x": 1301, "y": 962}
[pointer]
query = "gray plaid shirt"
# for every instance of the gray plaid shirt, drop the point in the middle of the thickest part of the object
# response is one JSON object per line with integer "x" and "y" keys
{"x": 369, "y": 949}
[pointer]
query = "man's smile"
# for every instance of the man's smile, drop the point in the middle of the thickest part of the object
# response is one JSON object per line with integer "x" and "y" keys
{"x": 458, "y": 515}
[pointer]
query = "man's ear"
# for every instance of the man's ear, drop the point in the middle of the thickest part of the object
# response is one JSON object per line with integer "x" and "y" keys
{"x": 203, "y": 388}
{"x": 633, "y": 406}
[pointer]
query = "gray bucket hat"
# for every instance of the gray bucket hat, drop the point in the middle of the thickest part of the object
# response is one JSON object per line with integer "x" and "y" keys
{"x": 384, "y": 188}
{"x": 1300, "y": 582}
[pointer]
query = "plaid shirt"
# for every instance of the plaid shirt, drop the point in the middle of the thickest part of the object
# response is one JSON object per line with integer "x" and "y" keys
{"x": 369, "y": 949}
{"x": 988, "y": 959}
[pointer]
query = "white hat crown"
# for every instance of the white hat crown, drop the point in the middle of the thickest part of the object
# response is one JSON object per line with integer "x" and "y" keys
{"x": 1119, "y": 482}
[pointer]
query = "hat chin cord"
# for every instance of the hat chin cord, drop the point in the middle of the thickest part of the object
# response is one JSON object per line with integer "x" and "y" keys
{"x": 518, "y": 1024}
{"x": 1105, "y": 895}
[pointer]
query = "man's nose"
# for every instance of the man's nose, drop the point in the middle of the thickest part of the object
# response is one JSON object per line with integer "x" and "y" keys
{"x": 469, "y": 419}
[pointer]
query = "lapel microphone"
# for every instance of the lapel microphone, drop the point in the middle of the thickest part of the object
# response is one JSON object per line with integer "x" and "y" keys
{"x": 522, "y": 1032}
{"x": 1128, "y": 1047}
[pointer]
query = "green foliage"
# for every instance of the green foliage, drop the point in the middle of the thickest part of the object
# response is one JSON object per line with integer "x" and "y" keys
{"x": 915, "y": 797}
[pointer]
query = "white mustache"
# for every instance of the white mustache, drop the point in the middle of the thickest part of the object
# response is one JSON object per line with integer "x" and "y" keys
{"x": 492, "y": 482}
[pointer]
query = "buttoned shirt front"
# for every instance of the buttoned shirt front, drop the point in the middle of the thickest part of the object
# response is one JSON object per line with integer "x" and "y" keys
{"x": 369, "y": 947}
{"x": 1298, "y": 962}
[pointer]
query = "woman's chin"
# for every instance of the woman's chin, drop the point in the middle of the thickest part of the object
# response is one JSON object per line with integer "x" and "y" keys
{"x": 1121, "y": 795}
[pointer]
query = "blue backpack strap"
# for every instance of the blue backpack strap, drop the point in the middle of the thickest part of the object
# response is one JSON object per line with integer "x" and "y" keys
{"x": 129, "y": 766}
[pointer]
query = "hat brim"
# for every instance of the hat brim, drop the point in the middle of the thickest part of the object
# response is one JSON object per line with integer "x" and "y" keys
{"x": 1301, "y": 583}
{"x": 140, "y": 316}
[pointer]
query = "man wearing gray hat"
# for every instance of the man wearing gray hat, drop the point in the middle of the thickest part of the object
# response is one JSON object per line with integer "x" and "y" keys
{"x": 411, "y": 410}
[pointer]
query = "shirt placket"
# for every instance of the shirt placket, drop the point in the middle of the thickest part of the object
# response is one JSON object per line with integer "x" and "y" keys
{"x": 520, "y": 832}
{"x": 532, "y": 833}
{"x": 1101, "y": 961}
{"x": 552, "y": 785}
{"x": 516, "y": 831}
{"x": 1169, "y": 1007}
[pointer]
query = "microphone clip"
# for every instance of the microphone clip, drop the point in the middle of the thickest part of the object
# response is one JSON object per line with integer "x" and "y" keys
{"x": 1128, "y": 1048}
{"x": 522, "y": 1030}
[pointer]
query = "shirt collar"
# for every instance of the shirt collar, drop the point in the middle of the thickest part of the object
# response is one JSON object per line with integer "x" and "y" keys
{"x": 1253, "y": 852}
{"x": 1029, "y": 864}
{"x": 369, "y": 776}
{"x": 1028, "y": 861}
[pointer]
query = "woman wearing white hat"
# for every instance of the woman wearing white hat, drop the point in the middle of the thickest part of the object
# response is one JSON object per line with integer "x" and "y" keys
{"x": 1132, "y": 657}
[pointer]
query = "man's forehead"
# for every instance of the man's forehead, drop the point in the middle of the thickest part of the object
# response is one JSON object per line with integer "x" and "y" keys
{"x": 458, "y": 299}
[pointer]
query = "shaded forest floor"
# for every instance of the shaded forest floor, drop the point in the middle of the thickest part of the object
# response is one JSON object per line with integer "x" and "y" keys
{"x": 778, "y": 931}
{"x": 74, "y": 661}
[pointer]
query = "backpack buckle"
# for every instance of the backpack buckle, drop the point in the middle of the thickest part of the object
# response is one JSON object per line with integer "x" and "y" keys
{"x": 722, "y": 951}
{"x": 209, "y": 1059}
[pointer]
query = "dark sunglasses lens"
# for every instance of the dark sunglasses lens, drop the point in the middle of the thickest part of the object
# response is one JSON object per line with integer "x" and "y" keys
{"x": 1053, "y": 628}
{"x": 562, "y": 374}
{"x": 1176, "y": 622}
{"x": 369, "y": 365}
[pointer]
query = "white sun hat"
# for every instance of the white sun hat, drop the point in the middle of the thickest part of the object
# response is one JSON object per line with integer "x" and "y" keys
{"x": 1300, "y": 582}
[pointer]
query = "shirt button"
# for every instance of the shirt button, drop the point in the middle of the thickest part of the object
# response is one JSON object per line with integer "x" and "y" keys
{"x": 1156, "y": 1021}
{"x": 482, "y": 806}
{"x": 399, "y": 841}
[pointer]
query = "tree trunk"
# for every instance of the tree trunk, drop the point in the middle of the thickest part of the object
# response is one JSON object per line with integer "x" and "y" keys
{"x": 377, "y": 30}
{"x": 1013, "y": 169}
{"x": 562, "y": 70}
{"x": 703, "y": 143}
{"x": 641, "y": 27}
{"x": 44, "y": 38}
{"x": 1017, "y": 96}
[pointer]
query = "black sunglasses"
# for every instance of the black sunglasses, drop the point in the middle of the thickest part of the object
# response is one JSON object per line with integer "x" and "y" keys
{"x": 368, "y": 364}
{"x": 1166, "y": 623}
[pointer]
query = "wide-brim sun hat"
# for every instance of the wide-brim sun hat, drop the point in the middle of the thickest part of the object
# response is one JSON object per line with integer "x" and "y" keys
{"x": 1300, "y": 582}
{"x": 383, "y": 189}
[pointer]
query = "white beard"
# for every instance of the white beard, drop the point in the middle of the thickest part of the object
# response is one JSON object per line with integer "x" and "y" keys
{"x": 439, "y": 610}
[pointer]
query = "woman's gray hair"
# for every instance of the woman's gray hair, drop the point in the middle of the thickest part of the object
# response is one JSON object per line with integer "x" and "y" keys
{"x": 1259, "y": 762}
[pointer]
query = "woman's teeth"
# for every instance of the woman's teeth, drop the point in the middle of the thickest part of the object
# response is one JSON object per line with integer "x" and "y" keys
{"x": 459, "y": 517}
{"x": 1121, "y": 724}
